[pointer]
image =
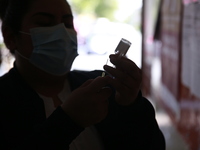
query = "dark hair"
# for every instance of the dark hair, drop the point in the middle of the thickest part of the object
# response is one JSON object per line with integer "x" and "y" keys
{"x": 12, "y": 13}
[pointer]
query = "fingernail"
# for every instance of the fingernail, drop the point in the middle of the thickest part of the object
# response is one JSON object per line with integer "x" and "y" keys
{"x": 112, "y": 55}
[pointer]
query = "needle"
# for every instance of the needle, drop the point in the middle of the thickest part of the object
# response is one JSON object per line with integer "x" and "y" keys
{"x": 103, "y": 73}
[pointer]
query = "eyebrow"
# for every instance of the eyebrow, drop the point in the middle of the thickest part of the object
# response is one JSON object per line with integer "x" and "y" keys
{"x": 51, "y": 15}
{"x": 68, "y": 16}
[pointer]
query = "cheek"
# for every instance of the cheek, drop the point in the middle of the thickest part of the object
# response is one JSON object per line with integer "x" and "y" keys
{"x": 25, "y": 46}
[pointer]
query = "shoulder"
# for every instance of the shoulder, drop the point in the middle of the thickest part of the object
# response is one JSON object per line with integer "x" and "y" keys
{"x": 8, "y": 92}
{"x": 6, "y": 79}
{"x": 11, "y": 84}
{"x": 11, "y": 77}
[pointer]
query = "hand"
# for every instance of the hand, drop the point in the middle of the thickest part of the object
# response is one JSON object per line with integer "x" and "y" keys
{"x": 127, "y": 79}
{"x": 88, "y": 104}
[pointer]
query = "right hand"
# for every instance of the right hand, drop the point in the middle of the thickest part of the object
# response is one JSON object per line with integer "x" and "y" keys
{"x": 88, "y": 104}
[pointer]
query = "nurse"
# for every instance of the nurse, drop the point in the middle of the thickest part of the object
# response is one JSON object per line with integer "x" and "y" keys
{"x": 44, "y": 105}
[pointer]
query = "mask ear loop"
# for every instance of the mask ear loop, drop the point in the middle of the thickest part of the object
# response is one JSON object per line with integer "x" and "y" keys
{"x": 24, "y": 33}
{"x": 16, "y": 51}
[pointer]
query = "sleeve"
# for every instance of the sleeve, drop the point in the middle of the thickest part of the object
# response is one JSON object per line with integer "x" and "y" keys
{"x": 131, "y": 127}
{"x": 57, "y": 132}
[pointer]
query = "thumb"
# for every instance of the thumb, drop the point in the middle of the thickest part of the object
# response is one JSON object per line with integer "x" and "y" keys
{"x": 86, "y": 83}
{"x": 98, "y": 83}
{"x": 105, "y": 93}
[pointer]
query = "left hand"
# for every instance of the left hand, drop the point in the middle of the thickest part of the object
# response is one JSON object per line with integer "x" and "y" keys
{"x": 127, "y": 79}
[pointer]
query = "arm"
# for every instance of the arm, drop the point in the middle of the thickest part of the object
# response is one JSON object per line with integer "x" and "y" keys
{"x": 131, "y": 127}
{"x": 23, "y": 124}
{"x": 132, "y": 119}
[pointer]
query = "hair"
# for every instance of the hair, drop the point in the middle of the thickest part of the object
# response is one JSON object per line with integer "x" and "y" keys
{"x": 12, "y": 13}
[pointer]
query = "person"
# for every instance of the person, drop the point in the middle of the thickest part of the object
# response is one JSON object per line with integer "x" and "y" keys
{"x": 44, "y": 105}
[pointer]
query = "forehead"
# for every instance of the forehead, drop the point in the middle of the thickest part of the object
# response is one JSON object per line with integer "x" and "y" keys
{"x": 57, "y": 7}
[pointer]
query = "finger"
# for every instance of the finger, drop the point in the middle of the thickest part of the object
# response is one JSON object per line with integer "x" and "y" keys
{"x": 105, "y": 93}
{"x": 86, "y": 83}
{"x": 126, "y": 65}
{"x": 116, "y": 56}
{"x": 124, "y": 78}
{"x": 124, "y": 94}
{"x": 122, "y": 87}
{"x": 98, "y": 83}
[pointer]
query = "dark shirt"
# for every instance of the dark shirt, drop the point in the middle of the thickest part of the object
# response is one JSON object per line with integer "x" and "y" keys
{"x": 24, "y": 126}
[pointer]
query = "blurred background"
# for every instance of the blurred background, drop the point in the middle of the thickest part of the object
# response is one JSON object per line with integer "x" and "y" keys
{"x": 101, "y": 25}
{"x": 165, "y": 45}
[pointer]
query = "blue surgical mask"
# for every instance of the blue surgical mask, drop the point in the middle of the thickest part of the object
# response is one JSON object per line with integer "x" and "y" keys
{"x": 54, "y": 48}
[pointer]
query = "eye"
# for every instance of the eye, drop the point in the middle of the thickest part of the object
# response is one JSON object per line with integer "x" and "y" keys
{"x": 44, "y": 24}
{"x": 68, "y": 21}
{"x": 70, "y": 26}
{"x": 43, "y": 20}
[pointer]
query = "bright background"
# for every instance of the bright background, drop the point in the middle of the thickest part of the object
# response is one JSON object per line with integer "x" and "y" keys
{"x": 100, "y": 26}
{"x": 99, "y": 36}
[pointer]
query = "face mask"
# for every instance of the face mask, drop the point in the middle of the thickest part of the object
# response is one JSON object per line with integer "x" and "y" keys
{"x": 55, "y": 48}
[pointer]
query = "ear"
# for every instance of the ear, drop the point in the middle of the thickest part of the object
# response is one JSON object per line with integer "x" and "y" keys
{"x": 9, "y": 38}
